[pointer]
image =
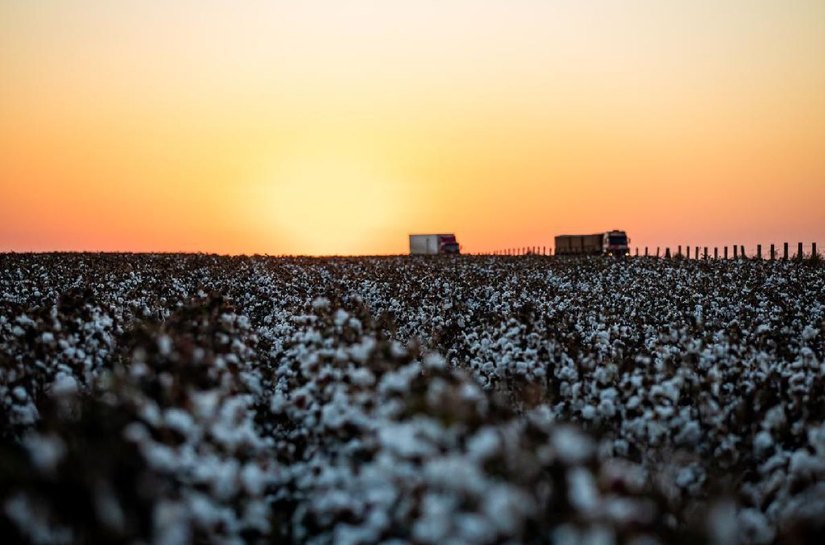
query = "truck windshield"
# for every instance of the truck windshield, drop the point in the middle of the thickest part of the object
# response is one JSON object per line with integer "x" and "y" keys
{"x": 618, "y": 240}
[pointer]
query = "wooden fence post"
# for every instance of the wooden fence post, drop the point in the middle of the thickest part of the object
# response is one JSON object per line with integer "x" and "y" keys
{"x": 726, "y": 252}
{"x": 758, "y": 251}
{"x": 657, "y": 251}
{"x": 735, "y": 251}
{"x": 645, "y": 251}
{"x": 637, "y": 251}
{"x": 742, "y": 252}
{"x": 667, "y": 252}
{"x": 679, "y": 251}
{"x": 706, "y": 252}
{"x": 814, "y": 255}
{"x": 799, "y": 251}
{"x": 716, "y": 252}
{"x": 773, "y": 252}
{"x": 785, "y": 255}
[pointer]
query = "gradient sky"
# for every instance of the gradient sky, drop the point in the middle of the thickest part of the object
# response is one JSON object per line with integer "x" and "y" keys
{"x": 341, "y": 126}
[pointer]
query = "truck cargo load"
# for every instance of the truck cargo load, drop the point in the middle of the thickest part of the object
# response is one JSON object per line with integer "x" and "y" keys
{"x": 434, "y": 245}
{"x": 609, "y": 243}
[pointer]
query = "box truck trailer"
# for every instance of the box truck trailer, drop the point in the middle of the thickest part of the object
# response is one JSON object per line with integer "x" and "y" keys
{"x": 433, "y": 244}
{"x": 609, "y": 243}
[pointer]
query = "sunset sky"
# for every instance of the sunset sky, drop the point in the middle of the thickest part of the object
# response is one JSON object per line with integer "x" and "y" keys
{"x": 338, "y": 127}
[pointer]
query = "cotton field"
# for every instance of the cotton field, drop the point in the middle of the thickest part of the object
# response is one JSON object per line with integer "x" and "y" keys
{"x": 174, "y": 399}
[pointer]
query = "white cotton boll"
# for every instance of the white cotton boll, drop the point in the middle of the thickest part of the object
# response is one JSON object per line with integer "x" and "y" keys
{"x": 816, "y": 438}
{"x": 606, "y": 408}
{"x": 455, "y": 473}
{"x": 774, "y": 418}
{"x": 362, "y": 377}
{"x": 404, "y": 440}
{"x": 572, "y": 446}
{"x": 225, "y": 477}
{"x": 809, "y": 333}
{"x": 433, "y": 525}
{"x": 253, "y": 478}
{"x": 45, "y": 451}
{"x": 361, "y": 352}
{"x": 20, "y": 393}
{"x": 159, "y": 456}
{"x": 484, "y": 444}
{"x": 588, "y": 412}
{"x": 320, "y": 303}
{"x": 805, "y": 465}
{"x": 205, "y": 404}
{"x": 755, "y": 528}
{"x": 473, "y": 528}
{"x": 582, "y": 489}
{"x": 690, "y": 434}
{"x": 506, "y": 508}
{"x": 397, "y": 350}
{"x": 340, "y": 317}
{"x": 256, "y": 516}
{"x": 762, "y": 443}
{"x": 179, "y": 420}
{"x": 164, "y": 345}
{"x": 64, "y": 385}
{"x": 434, "y": 360}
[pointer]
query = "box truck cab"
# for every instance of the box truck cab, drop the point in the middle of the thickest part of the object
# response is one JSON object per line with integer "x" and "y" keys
{"x": 443, "y": 244}
{"x": 615, "y": 243}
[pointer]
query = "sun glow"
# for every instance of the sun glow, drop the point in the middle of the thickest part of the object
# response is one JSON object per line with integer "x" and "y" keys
{"x": 325, "y": 205}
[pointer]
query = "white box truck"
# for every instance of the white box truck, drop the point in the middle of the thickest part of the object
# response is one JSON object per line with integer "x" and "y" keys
{"x": 434, "y": 245}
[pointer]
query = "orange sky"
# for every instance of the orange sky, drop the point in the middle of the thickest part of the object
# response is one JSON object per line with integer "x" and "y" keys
{"x": 340, "y": 127}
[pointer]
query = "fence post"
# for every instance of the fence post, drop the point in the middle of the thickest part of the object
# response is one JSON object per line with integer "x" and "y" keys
{"x": 645, "y": 251}
{"x": 726, "y": 252}
{"x": 657, "y": 251}
{"x": 742, "y": 252}
{"x": 773, "y": 252}
{"x": 813, "y": 251}
{"x": 758, "y": 251}
{"x": 785, "y": 257}
{"x": 637, "y": 251}
{"x": 667, "y": 252}
{"x": 678, "y": 251}
{"x": 706, "y": 252}
{"x": 716, "y": 252}
{"x": 735, "y": 251}
{"x": 799, "y": 251}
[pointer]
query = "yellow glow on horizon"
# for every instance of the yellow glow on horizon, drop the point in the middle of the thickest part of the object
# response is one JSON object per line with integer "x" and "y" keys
{"x": 325, "y": 204}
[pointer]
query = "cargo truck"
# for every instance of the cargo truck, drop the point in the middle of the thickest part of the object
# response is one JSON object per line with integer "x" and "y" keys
{"x": 609, "y": 243}
{"x": 433, "y": 245}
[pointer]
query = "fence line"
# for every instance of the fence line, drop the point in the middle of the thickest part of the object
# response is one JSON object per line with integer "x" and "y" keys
{"x": 737, "y": 251}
